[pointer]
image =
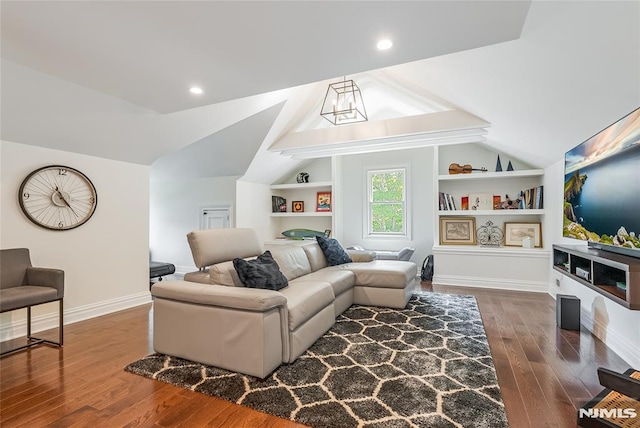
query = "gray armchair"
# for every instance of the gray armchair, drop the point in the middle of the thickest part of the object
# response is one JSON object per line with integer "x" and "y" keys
{"x": 24, "y": 286}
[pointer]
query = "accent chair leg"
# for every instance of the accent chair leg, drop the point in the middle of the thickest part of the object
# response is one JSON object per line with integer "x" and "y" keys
{"x": 33, "y": 341}
{"x": 61, "y": 326}
{"x": 28, "y": 322}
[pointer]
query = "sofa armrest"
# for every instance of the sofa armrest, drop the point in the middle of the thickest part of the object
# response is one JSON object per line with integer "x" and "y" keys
{"x": 360, "y": 256}
{"x": 46, "y": 277}
{"x": 249, "y": 299}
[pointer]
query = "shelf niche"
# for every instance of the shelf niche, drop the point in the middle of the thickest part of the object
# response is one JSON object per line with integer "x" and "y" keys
{"x": 320, "y": 180}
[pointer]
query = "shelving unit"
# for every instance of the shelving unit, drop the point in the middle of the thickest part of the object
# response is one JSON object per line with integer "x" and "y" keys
{"x": 601, "y": 271}
{"x": 320, "y": 170}
{"x": 519, "y": 268}
{"x": 305, "y": 192}
{"x": 494, "y": 183}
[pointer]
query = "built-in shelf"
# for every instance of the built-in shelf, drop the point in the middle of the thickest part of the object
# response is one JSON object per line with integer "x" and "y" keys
{"x": 315, "y": 185}
{"x": 474, "y": 213}
{"x": 489, "y": 175}
{"x": 304, "y": 214}
{"x": 488, "y": 250}
{"x": 601, "y": 271}
{"x": 503, "y": 267}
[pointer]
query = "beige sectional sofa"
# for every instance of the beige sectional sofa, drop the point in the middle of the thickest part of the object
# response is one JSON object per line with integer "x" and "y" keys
{"x": 212, "y": 318}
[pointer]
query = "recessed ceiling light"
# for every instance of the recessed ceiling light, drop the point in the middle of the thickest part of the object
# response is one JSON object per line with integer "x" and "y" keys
{"x": 384, "y": 44}
{"x": 196, "y": 90}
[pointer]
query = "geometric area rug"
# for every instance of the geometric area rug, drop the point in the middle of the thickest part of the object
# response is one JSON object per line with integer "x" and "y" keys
{"x": 427, "y": 365}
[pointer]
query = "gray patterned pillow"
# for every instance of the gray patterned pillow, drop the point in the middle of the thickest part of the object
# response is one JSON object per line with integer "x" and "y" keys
{"x": 262, "y": 272}
{"x": 333, "y": 251}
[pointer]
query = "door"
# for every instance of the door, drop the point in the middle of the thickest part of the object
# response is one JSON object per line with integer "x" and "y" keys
{"x": 215, "y": 217}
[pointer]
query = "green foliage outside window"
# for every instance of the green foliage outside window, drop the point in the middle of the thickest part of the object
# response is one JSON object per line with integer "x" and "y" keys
{"x": 387, "y": 201}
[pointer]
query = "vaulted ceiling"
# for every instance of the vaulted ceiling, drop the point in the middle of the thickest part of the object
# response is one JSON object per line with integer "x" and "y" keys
{"x": 110, "y": 79}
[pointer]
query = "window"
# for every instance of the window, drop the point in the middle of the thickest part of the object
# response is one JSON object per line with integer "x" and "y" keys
{"x": 387, "y": 200}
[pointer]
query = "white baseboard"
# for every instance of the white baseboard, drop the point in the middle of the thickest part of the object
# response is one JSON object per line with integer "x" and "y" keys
{"x": 493, "y": 283}
{"x": 48, "y": 321}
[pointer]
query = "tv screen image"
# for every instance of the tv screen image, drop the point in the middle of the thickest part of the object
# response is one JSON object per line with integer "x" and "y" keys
{"x": 602, "y": 188}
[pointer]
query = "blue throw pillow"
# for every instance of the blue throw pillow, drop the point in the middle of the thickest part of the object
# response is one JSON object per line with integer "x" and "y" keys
{"x": 333, "y": 251}
{"x": 262, "y": 272}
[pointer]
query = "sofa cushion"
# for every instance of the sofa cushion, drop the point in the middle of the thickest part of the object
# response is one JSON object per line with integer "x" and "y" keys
{"x": 305, "y": 299}
{"x": 225, "y": 274}
{"x": 340, "y": 279}
{"x": 262, "y": 272}
{"x": 333, "y": 251}
{"x": 316, "y": 257}
{"x": 292, "y": 260}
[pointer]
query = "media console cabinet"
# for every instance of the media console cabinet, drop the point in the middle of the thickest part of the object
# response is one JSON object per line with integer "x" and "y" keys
{"x": 613, "y": 275}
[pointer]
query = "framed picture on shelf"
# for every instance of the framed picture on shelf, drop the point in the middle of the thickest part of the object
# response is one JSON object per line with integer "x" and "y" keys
{"x": 480, "y": 201}
{"x": 297, "y": 206}
{"x": 497, "y": 202}
{"x": 457, "y": 231}
{"x": 278, "y": 204}
{"x": 323, "y": 201}
{"x": 514, "y": 233}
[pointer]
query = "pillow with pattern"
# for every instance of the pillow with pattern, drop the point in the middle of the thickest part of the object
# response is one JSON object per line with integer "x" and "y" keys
{"x": 333, "y": 251}
{"x": 262, "y": 272}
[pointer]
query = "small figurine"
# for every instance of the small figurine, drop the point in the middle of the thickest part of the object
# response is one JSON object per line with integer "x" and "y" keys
{"x": 508, "y": 204}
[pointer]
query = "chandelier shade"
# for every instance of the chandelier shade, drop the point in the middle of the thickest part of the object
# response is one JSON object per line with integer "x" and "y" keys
{"x": 343, "y": 103}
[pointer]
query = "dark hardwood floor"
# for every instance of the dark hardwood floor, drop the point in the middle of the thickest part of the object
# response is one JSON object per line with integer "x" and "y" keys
{"x": 544, "y": 373}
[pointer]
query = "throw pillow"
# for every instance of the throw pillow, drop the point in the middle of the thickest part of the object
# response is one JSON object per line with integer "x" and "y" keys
{"x": 333, "y": 251}
{"x": 262, "y": 272}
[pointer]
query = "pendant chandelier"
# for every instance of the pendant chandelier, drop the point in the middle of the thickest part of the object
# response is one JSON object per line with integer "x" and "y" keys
{"x": 343, "y": 103}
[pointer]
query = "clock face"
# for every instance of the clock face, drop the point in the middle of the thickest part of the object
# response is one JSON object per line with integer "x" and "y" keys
{"x": 58, "y": 197}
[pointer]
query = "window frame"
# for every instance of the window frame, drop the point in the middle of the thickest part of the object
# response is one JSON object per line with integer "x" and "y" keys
{"x": 368, "y": 229}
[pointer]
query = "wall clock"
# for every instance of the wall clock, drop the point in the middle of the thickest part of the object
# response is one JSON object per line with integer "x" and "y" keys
{"x": 58, "y": 197}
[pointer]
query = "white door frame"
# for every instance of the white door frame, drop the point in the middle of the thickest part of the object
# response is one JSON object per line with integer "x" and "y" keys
{"x": 228, "y": 208}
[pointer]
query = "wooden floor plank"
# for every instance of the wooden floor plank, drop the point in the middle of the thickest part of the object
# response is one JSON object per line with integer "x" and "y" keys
{"x": 544, "y": 372}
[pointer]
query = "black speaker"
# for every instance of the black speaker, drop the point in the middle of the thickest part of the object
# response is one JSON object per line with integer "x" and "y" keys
{"x": 568, "y": 312}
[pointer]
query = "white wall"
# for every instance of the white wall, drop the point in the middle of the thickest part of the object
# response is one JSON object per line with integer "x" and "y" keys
{"x": 352, "y": 194}
{"x": 612, "y": 323}
{"x": 105, "y": 260}
{"x": 573, "y": 71}
{"x": 254, "y": 208}
{"x": 175, "y": 210}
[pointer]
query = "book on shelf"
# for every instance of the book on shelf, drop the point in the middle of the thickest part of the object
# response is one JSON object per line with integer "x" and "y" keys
{"x": 452, "y": 203}
{"x": 446, "y": 201}
{"x": 539, "y": 199}
{"x": 533, "y": 198}
{"x": 441, "y": 201}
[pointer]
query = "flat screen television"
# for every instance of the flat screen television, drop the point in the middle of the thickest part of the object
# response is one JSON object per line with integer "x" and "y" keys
{"x": 602, "y": 188}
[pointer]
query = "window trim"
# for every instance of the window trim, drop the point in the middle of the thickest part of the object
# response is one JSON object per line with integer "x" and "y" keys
{"x": 406, "y": 221}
